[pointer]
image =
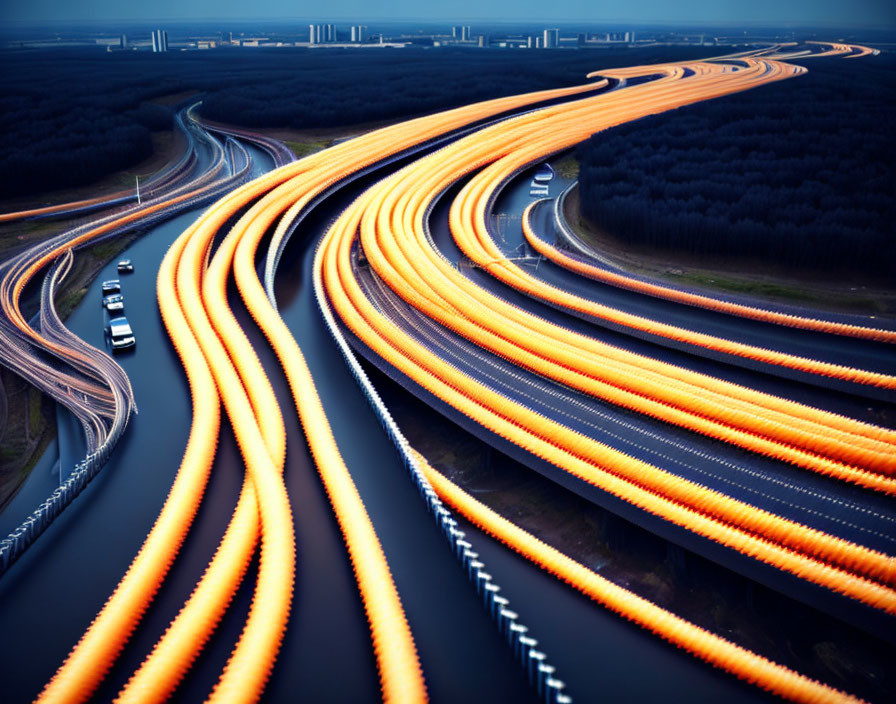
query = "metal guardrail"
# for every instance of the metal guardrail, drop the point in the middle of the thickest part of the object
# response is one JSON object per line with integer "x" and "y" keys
{"x": 565, "y": 232}
{"x": 539, "y": 672}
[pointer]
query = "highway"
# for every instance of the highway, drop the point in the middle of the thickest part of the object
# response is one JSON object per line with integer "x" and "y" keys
{"x": 635, "y": 398}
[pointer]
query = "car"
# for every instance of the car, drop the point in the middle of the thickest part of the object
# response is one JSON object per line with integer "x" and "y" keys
{"x": 119, "y": 327}
{"x": 114, "y": 302}
{"x": 544, "y": 174}
{"x": 111, "y": 286}
{"x": 120, "y": 333}
{"x": 125, "y": 266}
{"x": 123, "y": 343}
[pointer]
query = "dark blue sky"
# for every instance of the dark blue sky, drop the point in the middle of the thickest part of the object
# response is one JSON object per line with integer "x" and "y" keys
{"x": 806, "y": 12}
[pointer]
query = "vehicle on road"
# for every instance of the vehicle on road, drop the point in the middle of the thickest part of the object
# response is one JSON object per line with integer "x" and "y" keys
{"x": 125, "y": 266}
{"x": 120, "y": 333}
{"x": 113, "y": 302}
{"x": 111, "y": 286}
{"x": 544, "y": 174}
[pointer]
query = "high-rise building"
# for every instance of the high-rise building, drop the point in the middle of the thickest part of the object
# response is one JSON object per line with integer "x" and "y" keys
{"x": 318, "y": 33}
{"x": 159, "y": 41}
{"x": 628, "y": 37}
{"x": 482, "y": 41}
{"x": 123, "y": 41}
{"x": 465, "y": 34}
{"x": 530, "y": 42}
{"x": 551, "y": 39}
{"x": 331, "y": 33}
{"x": 358, "y": 32}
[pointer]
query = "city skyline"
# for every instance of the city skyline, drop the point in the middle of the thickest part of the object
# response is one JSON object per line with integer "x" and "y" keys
{"x": 817, "y": 12}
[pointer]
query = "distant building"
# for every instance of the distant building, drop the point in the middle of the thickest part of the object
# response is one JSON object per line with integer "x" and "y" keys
{"x": 538, "y": 43}
{"x": 465, "y": 34}
{"x": 530, "y": 42}
{"x": 159, "y": 41}
{"x": 322, "y": 33}
{"x": 580, "y": 40}
{"x": 483, "y": 41}
{"x": 358, "y": 32}
{"x": 551, "y": 39}
{"x": 123, "y": 41}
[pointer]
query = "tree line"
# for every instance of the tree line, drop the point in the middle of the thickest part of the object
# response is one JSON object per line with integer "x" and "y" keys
{"x": 800, "y": 173}
{"x": 70, "y": 116}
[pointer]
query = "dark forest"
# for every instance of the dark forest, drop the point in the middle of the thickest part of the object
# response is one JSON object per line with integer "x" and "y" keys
{"x": 801, "y": 173}
{"x": 72, "y": 116}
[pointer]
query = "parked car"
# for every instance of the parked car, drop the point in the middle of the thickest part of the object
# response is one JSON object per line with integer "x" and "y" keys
{"x": 125, "y": 266}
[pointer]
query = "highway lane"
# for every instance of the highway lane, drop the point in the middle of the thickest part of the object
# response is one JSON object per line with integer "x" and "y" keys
{"x": 460, "y": 652}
